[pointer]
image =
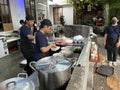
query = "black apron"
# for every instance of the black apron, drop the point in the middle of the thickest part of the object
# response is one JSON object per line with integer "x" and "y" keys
{"x": 27, "y": 51}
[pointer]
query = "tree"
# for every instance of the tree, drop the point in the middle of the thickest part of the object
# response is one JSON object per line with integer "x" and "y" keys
{"x": 114, "y": 8}
{"x": 79, "y": 7}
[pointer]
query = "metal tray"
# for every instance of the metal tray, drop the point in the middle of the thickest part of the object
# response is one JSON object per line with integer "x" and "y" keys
{"x": 105, "y": 70}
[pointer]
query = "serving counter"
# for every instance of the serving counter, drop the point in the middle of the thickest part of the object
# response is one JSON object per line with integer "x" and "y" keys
{"x": 82, "y": 75}
{"x": 12, "y": 39}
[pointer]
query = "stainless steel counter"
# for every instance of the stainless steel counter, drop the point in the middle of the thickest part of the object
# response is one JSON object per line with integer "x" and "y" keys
{"x": 12, "y": 39}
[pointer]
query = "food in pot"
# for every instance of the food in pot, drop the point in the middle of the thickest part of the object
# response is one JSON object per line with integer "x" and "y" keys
{"x": 59, "y": 41}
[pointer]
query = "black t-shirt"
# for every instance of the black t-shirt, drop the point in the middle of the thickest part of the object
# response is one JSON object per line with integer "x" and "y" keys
{"x": 24, "y": 31}
{"x": 112, "y": 35}
{"x": 41, "y": 41}
{"x": 113, "y": 31}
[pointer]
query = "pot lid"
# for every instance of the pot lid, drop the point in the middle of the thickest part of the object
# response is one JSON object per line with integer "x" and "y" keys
{"x": 53, "y": 64}
{"x": 17, "y": 83}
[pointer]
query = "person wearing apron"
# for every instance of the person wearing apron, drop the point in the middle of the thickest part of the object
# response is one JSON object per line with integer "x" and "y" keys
{"x": 26, "y": 38}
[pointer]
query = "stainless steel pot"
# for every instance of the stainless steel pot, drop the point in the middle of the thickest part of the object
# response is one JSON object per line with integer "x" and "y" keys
{"x": 17, "y": 83}
{"x": 53, "y": 72}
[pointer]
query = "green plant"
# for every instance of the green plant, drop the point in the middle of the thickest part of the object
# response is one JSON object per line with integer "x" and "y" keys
{"x": 114, "y": 8}
{"x": 79, "y": 8}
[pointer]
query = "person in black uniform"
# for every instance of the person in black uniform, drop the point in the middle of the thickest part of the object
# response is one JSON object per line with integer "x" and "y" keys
{"x": 112, "y": 41}
{"x": 42, "y": 47}
{"x": 26, "y": 38}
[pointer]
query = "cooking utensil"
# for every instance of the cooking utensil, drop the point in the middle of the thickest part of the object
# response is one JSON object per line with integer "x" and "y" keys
{"x": 18, "y": 83}
{"x": 56, "y": 72}
{"x": 55, "y": 48}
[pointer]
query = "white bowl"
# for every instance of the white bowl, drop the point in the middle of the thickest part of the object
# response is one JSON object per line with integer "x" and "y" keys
{"x": 58, "y": 55}
{"x": 55, "y": 48}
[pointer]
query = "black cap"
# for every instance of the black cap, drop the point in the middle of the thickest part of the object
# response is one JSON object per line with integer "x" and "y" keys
{"x": 29, "y": 17}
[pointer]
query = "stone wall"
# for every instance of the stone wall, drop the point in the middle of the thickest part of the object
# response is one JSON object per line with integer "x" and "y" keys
{"x": 82, "y": 76}
{"x": 72, "y": 30}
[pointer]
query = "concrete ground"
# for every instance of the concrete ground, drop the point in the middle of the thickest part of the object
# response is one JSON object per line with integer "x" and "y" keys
{"x": 10, "y": 65}
{"x": 107, "y": 83}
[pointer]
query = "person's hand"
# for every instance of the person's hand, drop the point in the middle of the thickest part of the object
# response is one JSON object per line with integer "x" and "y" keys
{"x": 118, "y": 44}
{"x": 53, "y": 45}
{"x": 104, "y": 44}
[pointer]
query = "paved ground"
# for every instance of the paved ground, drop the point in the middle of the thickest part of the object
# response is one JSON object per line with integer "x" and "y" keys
{"x": 107, "y": 83}
{"x": 9, "y": 65}
{"x": 104, "y": 53}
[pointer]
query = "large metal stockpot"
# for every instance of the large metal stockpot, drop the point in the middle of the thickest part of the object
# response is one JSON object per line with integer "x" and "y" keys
{"x": 53, "y": 72}
{"x": 17, "y": 83}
